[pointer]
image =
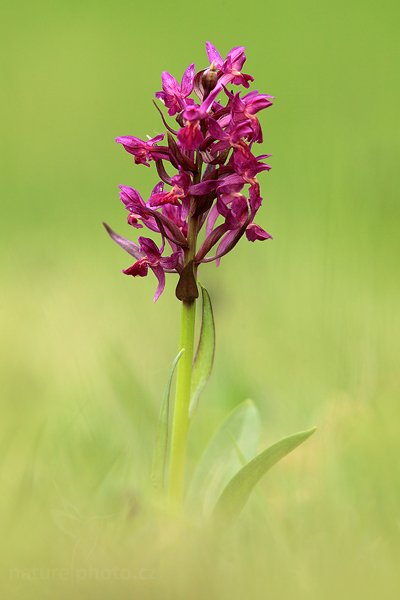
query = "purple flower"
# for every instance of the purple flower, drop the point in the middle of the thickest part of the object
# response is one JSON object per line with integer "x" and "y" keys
{"x": 231, "y": 137}
{"x": 144, "y": 150}
{"x": 245, "y": 164}
{"x": 138, "y": 210}
{"x": 208, "y": 171}
{"x": 244, "y": 110}
{"x": 254, "y": 102}
{"x": 173, "y": 94}
{"x": 153, "y": 220}
{"x": 229, "y": 69}
{"x": 236, "y": 213}
{"x": 180, "y": 189}
{"x": 150, "y": 256}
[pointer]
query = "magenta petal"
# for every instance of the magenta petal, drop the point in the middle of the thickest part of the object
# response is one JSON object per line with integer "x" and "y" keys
{"x": 216, "y": 131}
{"x": 255, "y": 199}
{"x": 131, "y": 198}
{"x": 204, "y": 187}
{"x": 149, "y": 247}
{"x": 213, "y": 55}
{"x": 158, "y": 189}
{"x": 225, "y": 244}
{"x": 190, "y": 137}
{"x": 128, "y": 140}
{"x": 157, "y": 138}
{"x": 255, "y": 232}
{"x": 232, "y": 183}
{"x": 238, "y": 213}
{"x": 194, "y": 112}
{"x": 222, "y": 204}
{"x": 212, "y": 217}
{"x": 213, "y": 238}
{"x": 187, "y": 80}
{"x": 236, "y": 57}
{"x": 159, "y": 273}
{"x": 185, "y": 208}
{"x": 242, "y": 130}
{"x": 255, "y": 102}
{"x": 169, "y": 82}
{"x": 170, "y": 262}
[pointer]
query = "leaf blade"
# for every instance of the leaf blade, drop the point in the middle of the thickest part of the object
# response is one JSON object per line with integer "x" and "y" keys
{"x": 238, "y": 490}
{"x": 204, "y": 358}
{"x": 232, "y": 445}
{"x": 160, "y": 455}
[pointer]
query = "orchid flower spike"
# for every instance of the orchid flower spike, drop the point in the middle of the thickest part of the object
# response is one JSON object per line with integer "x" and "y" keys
{"x": 207, "y": 170}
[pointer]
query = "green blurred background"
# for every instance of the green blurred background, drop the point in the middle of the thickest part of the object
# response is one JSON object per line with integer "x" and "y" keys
{"x": 307, "y": 324}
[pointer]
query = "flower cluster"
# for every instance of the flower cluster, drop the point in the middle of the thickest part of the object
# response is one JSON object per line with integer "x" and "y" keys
{"x": 214, "y": 184}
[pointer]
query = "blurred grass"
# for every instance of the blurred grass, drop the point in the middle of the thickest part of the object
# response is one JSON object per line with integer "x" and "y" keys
{"x": 308, "y": 325}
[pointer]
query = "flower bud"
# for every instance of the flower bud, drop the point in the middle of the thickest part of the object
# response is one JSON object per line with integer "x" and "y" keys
{"x": 209, "y": 80}
{"x": 205, "y": 81}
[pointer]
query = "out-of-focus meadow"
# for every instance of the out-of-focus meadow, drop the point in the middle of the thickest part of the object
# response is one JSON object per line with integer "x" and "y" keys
{"x": 307, "y": 324}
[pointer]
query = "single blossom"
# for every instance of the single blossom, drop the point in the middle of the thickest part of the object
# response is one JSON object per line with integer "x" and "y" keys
{"x": 150, "y": 256}
{"x": 139, "y": 213}
{"x": 179, "y": 191}
{"x": 174, "y": 94}
{"x": 244, "y": 110}
{"x": 143, "y": 150}
{"x": 229, "y": 69}
{"x": 152, "y": 219}
{"x": 230, "y": 137}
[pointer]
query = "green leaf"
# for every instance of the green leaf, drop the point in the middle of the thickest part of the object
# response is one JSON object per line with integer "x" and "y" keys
{"x": 159, "y": 465}
{"x": 203, "y": 361}
{"x": 238, "y": 490}
{"x": 233, "y": 444}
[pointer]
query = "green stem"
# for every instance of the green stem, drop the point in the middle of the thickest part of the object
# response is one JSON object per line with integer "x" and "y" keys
{"x": 180, "y": 424}
{"x": 180, "y": 419}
